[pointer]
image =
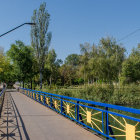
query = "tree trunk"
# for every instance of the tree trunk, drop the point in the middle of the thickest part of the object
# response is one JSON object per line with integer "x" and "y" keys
{"x": 50, "y": 81}
{"x": 23, "y": 84}
{"x": 119, "y": 79}
{"x": 34, "y": 83}
{"x": 84, "y": 78}
{"x": 40, "y": 79}
{"x": 93, "y": 81}
{"x": 31, "y": 83}
{"x": 88, "y": 81}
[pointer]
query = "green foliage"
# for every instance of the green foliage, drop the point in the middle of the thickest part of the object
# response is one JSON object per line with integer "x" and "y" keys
{"x": 102, "y": 62}
{"x": 7, "y": 73}
{"x": 23, "y": 60}
{"x": 40, "y": 36}
{"x": 52, "y": 65}
{"x": 99, "y": 93}
{"x": 127, "y": 95}
{"x": 131, "y": 67}
{"x": 73, "y": 60}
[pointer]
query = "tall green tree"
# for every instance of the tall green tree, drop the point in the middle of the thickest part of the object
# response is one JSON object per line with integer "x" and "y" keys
{"x": 114, "y": 55}
{"x": 23, "y": 59}
{"x": 72, "y": 63}
{"x": 7, "y": 73}
{"x": 40, "y": 36}
{"x": 52, "y": 64}
{"x": 68, "y": 74}
{"x": 131, "y": 67}
{"x": 102, "y": 62}
{"x": 1, "y": 60}
{"x": 85, "y": 51}
{"x": 73, "y": 60}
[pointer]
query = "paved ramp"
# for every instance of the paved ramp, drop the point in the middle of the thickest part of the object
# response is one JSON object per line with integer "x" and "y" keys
{"x": 33, "y": 121}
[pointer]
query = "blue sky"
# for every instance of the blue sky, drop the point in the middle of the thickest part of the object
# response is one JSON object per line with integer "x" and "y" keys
{"x": 73, "y": 22}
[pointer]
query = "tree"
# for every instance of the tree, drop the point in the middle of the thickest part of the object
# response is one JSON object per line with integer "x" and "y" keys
{"x": 40, "y": 36}
{"x": 23, "y": 60}
{"x": 102, "y": 62}
{"x": 52, "y": 64}
{"x": 7, "y": 73}
{"x": 113, "y": 53}
{"x": 73, "y": 60}
{"x": 1, "y": 61}
{"x": 68, "y": 74}
{"x": 85, "y": 51}
{"x": 131, "y": 67}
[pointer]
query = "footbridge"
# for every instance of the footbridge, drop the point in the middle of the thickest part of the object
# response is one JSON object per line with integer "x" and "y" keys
{"x": 34, "y": 115}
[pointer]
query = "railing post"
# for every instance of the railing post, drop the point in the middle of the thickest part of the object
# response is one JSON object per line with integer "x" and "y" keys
{"x": 32, "y": 94}
{"x": 2, "y": 99}
{"x": 61, "y": 105}
{"x": 38, "y": 96}
{"x": 51, "y": 103}
{"x": 35, "y": 96}
{"x": 103, "y": 122}
{"x": 29, "y": 93}
{"x": 77, "y": 110}
{"x": 107, "y": 122}
{"x": 44, "y": 100}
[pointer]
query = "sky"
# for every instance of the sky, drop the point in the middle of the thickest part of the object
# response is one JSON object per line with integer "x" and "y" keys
{"x": 73, "y": 22}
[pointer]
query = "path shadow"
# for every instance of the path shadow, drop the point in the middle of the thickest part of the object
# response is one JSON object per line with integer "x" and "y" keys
{"x": 11, "y": 123}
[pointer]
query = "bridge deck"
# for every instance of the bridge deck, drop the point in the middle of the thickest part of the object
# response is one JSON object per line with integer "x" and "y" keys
{"x": 23, "y": 118}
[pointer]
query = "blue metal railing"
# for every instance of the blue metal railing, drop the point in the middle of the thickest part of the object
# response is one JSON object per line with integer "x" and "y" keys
{"x": 2, "y": 91}
{"x": 110, "y": 121}
{"x": 1, "y": 99}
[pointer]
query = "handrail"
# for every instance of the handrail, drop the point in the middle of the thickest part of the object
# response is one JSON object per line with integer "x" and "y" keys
{"x": 122, "y": 108}
{"x": 1, "y": 93}
{"x": 99, "y": 117}
{"x": 1, "y": 99}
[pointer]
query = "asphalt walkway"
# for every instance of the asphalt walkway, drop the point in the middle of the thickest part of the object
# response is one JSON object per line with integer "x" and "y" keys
{"x": 24, "y": 119}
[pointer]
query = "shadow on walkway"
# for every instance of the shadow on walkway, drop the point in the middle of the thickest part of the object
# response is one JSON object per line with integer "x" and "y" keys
{"x": 11, "y": 123}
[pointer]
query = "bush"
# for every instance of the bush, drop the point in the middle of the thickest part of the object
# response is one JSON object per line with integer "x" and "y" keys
{"x": 127, "y": 95}
{"x": 99, "y": 93}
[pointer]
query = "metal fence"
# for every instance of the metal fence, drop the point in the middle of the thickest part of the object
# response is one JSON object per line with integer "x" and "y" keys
{"x": 110, "y": 121}
{"x": 1, "y": 99}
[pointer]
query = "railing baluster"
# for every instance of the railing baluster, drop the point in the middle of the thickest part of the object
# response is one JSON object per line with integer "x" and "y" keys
{"x": 43, "y": 99}
{"x": 77, "y": 110}
{"x": 103, "y": 121}
{"x": 107, "y": 121}
{"x": 39, "y": 97}
{"x": 61, "y": 105}
{"x": 34, "y": 95}
{"x": 51, "y": 103}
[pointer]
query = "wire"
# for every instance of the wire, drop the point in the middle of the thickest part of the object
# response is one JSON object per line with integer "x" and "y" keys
{"x": 128, "y": 35}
